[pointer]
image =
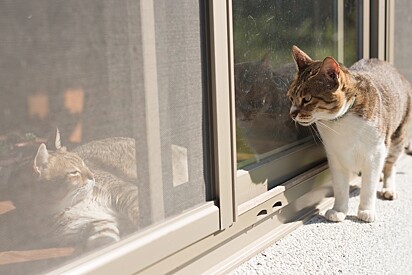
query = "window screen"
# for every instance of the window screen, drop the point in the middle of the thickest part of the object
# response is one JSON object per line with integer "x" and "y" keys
{"x": 133, "y": 124}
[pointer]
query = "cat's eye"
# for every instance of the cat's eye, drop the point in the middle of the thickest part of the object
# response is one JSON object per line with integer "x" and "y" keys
{"x": 306, "y": 99}
{"x": 74, "y": 173}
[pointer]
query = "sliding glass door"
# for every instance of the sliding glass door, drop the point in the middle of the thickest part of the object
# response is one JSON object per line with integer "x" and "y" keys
{"x": 270, "y": 148}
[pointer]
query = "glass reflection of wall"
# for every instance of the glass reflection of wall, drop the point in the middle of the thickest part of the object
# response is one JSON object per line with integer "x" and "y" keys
{"x": 263, "y": 34}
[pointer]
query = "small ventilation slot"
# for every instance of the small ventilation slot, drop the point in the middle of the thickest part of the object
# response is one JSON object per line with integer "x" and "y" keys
{"x": 277, "y": 204}
{"x": 262, "y": 213}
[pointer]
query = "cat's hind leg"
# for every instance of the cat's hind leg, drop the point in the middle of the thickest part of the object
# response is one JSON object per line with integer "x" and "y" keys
{"x": 389, "y": 170}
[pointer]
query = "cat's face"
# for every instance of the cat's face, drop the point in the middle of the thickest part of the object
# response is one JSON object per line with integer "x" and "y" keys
{"x": 253, "y": 89}
{"x": 316, "y": 93}
{"x": 62, "y": 175}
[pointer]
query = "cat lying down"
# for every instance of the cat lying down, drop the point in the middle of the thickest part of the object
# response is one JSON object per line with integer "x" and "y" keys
{"x": 84, "y": 198}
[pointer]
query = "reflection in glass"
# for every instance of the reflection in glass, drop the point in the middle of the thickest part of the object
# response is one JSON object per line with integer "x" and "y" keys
{"x": 264, "y": 33}
{"x": 73, "y": 126}
{"x": 352, "y": 32}
{"x": 65, "y": 192}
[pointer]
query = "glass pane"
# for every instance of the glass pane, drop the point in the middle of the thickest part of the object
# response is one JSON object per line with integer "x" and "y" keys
{"x": 263, "y": 34}
{"x": 79, "y": 66}
{"x": 352, "y": 31}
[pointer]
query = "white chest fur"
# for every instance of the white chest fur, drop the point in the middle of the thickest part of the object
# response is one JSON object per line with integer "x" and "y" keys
{"x": 351, "y": 141}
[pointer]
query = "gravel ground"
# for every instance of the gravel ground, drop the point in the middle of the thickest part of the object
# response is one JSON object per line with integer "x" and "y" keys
{"x": 350, "y": 247}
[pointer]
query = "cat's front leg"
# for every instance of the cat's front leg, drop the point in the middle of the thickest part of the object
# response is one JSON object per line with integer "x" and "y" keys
{"x": 340, "y": 177}
{"x": 370, "y": 178}
{"x": 100, "y": 233}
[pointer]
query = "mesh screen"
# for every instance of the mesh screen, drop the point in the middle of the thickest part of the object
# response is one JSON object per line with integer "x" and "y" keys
{"x": 79, "y": 66}
{"x": 180, "y": 84}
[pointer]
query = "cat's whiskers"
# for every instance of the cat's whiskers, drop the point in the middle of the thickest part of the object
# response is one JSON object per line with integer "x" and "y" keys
{"x": 316, "y": 133}
{"x": 327, "y": 127}
{"x": 311, "y": 132}
{"x": 74, "y": 201}
{"x": 295, "y": 122}
{"x": 84, "y": 190}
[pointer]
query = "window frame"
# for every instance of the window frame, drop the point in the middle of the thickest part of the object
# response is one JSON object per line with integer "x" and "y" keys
{"x": 218, "y": 235}
{"x": 205, "y": 219}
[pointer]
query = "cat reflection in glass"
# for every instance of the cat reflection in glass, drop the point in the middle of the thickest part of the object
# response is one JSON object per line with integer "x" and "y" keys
{"x": 262, "y": 119}
{"x": 361, "y": 113}
{"x": 84, "y": 198}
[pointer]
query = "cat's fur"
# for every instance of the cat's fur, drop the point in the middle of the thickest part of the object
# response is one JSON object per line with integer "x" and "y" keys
{"x": 84, "y": 198}
{"x": 361, "y": 114}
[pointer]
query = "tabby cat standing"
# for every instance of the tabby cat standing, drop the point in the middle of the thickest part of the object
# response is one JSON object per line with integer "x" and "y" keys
{"x": 361, "y": 114}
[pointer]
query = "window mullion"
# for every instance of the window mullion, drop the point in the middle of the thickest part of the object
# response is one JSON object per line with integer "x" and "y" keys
{"x": 221, "y": 113}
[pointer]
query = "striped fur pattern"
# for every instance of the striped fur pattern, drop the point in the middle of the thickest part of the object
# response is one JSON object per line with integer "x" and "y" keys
{"x": 361, "y": 114}
{"x": 86, "y": 197}
{"x": 113, "y": 162}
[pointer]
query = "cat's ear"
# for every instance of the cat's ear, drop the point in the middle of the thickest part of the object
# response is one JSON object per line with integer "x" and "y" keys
{"x": 54, "y": 141}
{"x": 302, "y": 60}
{"x": 330, "y": 68}
{"x": 41, "y": 159}
{"x": 57, "y": 140}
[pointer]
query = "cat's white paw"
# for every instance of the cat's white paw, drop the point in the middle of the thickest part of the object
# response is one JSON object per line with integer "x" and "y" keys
{"x": 94, "y": 242}
{"x": 335, "y": 216}
{"x": 388, "y": 194}
{"x": 366, "y": 215}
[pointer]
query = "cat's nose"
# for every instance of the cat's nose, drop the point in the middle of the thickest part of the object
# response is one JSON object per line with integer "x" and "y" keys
{"x": 90, "y": 177}
{"x": 294, "y": 112}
